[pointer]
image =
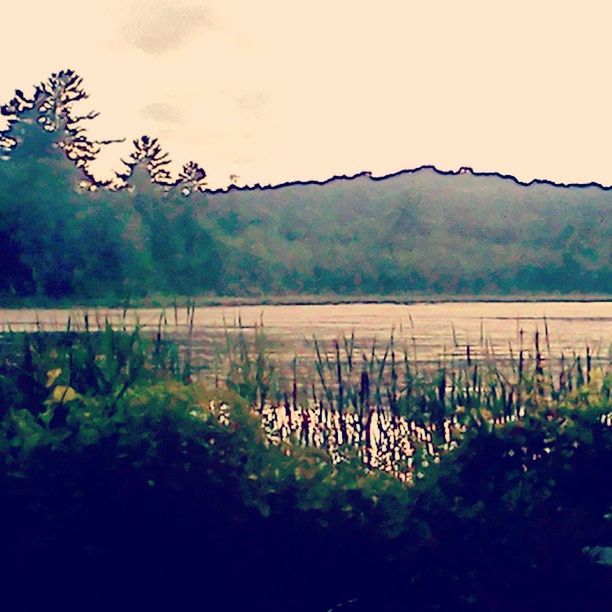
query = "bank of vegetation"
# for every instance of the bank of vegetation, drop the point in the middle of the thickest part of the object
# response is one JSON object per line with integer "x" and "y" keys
{"x": 127, "y": 484}
{"x": 68, "y": 236}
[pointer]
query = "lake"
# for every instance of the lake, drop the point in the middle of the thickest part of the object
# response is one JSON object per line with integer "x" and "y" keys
{"x": 428, "y": 331}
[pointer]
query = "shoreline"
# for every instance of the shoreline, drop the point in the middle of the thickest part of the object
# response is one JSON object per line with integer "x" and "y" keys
{"x": 203, "y": 301}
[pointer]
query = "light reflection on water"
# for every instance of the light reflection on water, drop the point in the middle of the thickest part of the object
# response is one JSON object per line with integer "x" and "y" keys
{"x": 433, "y": 329}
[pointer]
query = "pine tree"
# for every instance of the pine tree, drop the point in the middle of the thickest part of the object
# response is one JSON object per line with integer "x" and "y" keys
{"x": 46, "y": 124}
{"x": 46, "y": 157}
{"x": 192, "y": 179}
{"x": 146, "y": 167}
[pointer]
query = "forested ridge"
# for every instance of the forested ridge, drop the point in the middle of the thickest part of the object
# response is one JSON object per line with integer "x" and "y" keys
{"x": 65, "y": 234}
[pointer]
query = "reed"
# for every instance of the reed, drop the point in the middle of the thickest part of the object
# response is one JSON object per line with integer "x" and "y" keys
{"x": 397, "y": 416}
{"x": 390, "y": 412}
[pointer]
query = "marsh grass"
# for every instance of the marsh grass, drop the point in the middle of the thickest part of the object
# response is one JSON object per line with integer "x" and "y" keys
{"x": 376, "y": 402}
{"x": 119, "y": 466}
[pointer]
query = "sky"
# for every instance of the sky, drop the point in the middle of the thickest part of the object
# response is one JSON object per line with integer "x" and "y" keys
{"x": 280, "y": 90}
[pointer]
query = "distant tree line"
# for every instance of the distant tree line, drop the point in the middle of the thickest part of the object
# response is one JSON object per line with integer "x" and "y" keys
{"x": 66, "y": 234}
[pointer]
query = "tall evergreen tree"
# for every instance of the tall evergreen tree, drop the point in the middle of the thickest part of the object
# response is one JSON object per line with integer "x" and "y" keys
{"x": 47, "y": 124}
{"x": 146, "y": 165}
{"x": 46, "y": 154}
{"x": 44, "y": 173}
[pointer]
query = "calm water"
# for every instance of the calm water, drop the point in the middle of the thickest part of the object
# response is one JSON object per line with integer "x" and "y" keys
{"x": 428, "y": 331}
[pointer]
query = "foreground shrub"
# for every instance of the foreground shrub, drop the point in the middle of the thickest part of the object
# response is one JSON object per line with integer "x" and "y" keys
{"x": 130, "y": 489}
{"x": 163, "y": 501}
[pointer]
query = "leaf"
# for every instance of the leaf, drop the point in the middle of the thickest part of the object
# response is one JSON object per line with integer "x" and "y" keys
{"x": 61, "y": 393}
{"x": 52, "y": 376}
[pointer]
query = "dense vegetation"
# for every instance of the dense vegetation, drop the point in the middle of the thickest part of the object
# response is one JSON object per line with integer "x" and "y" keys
{"x": 63, "y": 234}
{"x": 417, "y": 232}
{"x": 124, "y": 486}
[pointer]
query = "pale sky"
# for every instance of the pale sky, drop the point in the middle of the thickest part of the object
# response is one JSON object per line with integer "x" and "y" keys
{"x": 280, "y": 90}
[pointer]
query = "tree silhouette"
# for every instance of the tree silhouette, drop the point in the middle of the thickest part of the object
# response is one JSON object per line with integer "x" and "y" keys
{"x": 192, "y": 178}
{"x": 46, "y": 156}
{"x": 47, "y": 123}
{"x": 16, "y": 110}
{"x": 139, "y": 233}
{"x": 146, "y": 166}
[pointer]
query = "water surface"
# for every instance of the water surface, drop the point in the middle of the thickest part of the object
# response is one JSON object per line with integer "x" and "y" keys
{"x": 428, "y": 331}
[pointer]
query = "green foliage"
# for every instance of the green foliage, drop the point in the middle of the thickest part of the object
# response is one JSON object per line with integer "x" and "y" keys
{"x": 251, "y": 372}
{"x": 64, "y": 234}
{"x": 517, "y": 505}
{"x": 418, "y": 232}
{"x": 124, "y": 487}
{"x": 157, "y": 490}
